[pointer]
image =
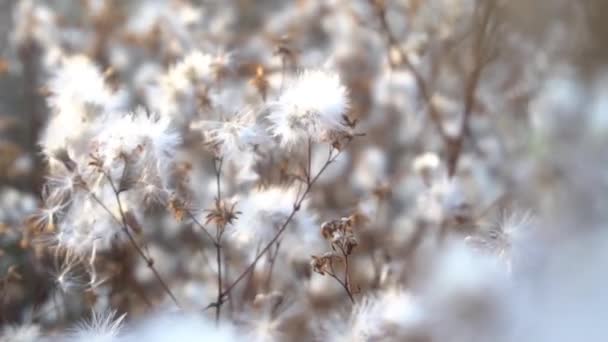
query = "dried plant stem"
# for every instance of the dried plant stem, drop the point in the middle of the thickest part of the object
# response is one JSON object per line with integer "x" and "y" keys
{"x": 123, "y": 222}
{"x": 217, "y": 163}
{"x": 216, "y": 244}
{"x": 346, "y": 285}
{"x": 218, "y": 256}
{"x": 309, "y": 162}
{"x": 201, "y": 226}
{"x": 296, "y": 207}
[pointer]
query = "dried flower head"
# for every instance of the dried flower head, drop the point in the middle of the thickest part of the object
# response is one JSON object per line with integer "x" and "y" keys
{"x": 177, "y": 207}
{"x": 340, "y": 234}
{"x": 222, "y": 214}
{"x": 324, "y": 264}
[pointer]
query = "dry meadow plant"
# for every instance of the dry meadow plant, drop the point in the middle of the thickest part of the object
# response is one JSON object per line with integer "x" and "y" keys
{"x": 310, "y": 170}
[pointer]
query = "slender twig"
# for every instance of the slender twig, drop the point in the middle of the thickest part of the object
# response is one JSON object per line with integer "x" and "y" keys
{"x": 227, "y": 276}
{"x": 217, "y": 163}
{"x": 149, "y": 262}
{"x": 350, "y": 295}
{"x": 218, "y": 255}
{"x": 309, "y": 159}
{"x": 347, "y": 285}
{"x": 346, "y": 275}
{"x": 201, "y": 226}
{"x": 346, "y": 282}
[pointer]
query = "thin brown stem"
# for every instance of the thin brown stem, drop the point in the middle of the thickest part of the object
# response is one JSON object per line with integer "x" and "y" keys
{"x": 346, "y": 274}
{"x": 149, "y": 262}
{"x": 344, "y": 283}
{"x": 217, "y": 163}
{"x": 201, "y": 226}
{"x": 218, "y": 256}
{"x": 309, "y": 159}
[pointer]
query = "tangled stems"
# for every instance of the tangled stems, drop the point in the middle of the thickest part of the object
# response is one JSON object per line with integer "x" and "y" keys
{"x": 310, "y": 181}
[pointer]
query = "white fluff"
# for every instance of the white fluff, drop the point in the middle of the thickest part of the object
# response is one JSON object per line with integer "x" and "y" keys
{"x": 311, "y": 107}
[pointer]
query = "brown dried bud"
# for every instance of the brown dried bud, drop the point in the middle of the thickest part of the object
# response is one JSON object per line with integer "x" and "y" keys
{"x": 324, "y": 263}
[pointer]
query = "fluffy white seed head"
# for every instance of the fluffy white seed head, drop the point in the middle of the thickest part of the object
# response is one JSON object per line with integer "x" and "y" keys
{"x": 311, "y": 107}
{"x": 235, "y": 137}
{"x": 147, "y": 142}
{"x": 88, "y": 227}
{"x": 79, "y": 95}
